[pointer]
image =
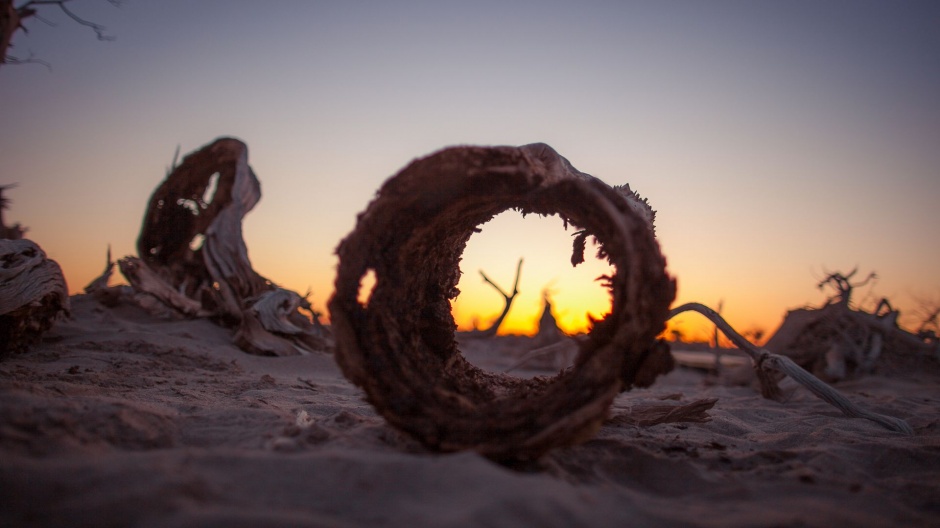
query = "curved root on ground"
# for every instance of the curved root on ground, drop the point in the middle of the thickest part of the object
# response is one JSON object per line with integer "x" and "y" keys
{"x": 766, "y": 363}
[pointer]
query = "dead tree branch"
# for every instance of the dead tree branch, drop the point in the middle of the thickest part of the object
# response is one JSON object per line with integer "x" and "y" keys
{"x": 491, "y": 331}
{"x": 12, "y": 20}
{"x": 193, "y": 259}
{"x": 843, "y": 285}
{"x": 766, "y": 363}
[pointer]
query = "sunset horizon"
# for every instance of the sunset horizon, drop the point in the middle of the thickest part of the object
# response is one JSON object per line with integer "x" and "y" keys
{"x": 777, "y": 143}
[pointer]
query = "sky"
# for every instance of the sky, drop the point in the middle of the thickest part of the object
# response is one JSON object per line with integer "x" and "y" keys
{"x": 778, "y": 141}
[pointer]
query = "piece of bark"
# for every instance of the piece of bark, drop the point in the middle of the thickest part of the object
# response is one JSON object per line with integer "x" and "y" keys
{"x": 273, "y": 325}
{"x": 145, "y": 280}
{"x": 401, "y": 348}
{"x": 253, "y": 338}
{"x": 33, "y": 293}
{"x": 647, "y": 414}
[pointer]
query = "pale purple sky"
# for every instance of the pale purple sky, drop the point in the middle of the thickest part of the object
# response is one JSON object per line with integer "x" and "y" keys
{"x": 776, "y": 139}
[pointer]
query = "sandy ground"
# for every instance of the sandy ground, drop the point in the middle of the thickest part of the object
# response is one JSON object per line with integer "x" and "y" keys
{"x": 120, "y": 419}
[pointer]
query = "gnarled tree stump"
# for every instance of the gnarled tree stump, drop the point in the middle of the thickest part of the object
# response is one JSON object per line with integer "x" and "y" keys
{"x": 836, "y": 341}
{"x": 32, "y": 294}
{"x": 400, "y": 347}
{"x": 192, "y": 256}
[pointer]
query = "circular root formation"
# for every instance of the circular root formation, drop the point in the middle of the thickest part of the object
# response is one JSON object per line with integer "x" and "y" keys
{"x": 400, "y": 346}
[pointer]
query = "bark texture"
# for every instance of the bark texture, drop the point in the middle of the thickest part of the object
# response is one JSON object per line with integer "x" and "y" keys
{"x": 400, "y": 347}
{"x": 33, "y": 294}
{"x": 836, "y": 342}
{"x": 192, "y": 256}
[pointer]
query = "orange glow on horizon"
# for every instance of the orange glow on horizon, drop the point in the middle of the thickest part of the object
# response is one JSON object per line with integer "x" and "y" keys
{"x": 545, "y": 247}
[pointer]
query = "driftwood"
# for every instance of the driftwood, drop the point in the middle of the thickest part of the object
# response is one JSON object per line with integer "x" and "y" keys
{"x": 191, "y": 236}
{"x": 770, "y": 366}
{"x": 273, "y": 326}
{"x": 145, "y": 280}
{"x": 33, "y": 294}
{"x": 649, "y": 414}
{"x": 401, "y": 348}
{"x": 836, "y": 341}
{"x": 193, "y": 259}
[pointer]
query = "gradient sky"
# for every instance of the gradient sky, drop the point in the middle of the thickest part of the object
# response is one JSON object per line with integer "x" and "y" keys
{"x": 777, "y": 140}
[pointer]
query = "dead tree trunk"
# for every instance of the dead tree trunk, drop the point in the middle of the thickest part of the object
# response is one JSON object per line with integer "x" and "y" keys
{"x": 191, "y": 236}
{"x": 192, "y": 256}
{"x": 33, "y": 294}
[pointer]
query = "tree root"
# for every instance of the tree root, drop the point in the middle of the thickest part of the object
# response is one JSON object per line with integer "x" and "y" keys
{"x": 768, "y": 364}
{"x": 401, "y": 347}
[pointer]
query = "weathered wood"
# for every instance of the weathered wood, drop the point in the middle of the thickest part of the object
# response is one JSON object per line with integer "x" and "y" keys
{"x": 273, "y": 325}
{"x": 33, "y": 293}
{"x": 145, "y": 280}
{"x": 194, "y": 260}
{"x": 401, "y": 348}
{"x": 649, "y": 414}
{"x": 837, "y": 342}
{"x": 192, "y": 236}
{"x": 767, "y": 364}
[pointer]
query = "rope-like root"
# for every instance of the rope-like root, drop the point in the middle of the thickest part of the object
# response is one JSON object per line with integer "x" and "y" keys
{"x": 767, "y": 363}
{"x": 400, "y": 347}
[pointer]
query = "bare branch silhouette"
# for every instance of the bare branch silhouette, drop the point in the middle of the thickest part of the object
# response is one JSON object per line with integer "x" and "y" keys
{"x": 16, "y": 231}
{"x": 491, "y": 331}
{"x": 12, "y": 18}
{"x": 843, "y": 285}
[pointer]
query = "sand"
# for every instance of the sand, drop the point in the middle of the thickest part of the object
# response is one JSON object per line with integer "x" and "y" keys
{"x": 121, "y": 419}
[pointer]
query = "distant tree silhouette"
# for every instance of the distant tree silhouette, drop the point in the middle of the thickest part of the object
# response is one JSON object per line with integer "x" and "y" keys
{"x": 509, "y": 297}
{"x": 13, "y": 16}
{"x": 15, "y": 232}
{"x": 841, "y": 283}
